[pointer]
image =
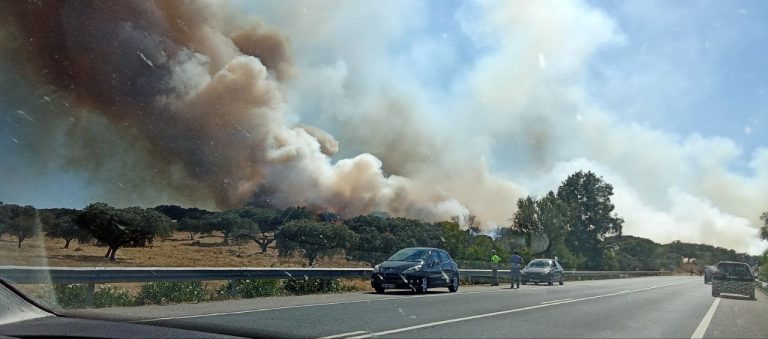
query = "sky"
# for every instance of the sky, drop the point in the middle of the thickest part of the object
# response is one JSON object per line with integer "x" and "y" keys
{"x": 484, "y": 102}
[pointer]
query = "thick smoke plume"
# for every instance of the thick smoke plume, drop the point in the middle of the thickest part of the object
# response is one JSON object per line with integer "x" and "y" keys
{"x": 203, "y": 92}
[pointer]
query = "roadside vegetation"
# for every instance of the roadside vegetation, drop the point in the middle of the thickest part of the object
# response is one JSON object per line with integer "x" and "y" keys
{"x": 73, "y": 296}
{"x": 575, "y": 223}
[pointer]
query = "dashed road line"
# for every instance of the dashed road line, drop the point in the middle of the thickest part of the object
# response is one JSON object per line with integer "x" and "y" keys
{"x": 704, "y": 324}
{"x": 343, "y": 335}
{"x": 555, "y": 301}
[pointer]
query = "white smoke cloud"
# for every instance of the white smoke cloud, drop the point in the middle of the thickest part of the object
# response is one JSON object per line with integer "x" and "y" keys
{"x": 504, "y": 113}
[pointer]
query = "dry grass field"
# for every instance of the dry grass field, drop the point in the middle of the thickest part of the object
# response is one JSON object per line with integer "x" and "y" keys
{"x": 178, "y": 251}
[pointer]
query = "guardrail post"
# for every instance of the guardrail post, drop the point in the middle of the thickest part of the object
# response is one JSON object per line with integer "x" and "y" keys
{"x": 233, "y": 288}
{"x": 325, "y": 284}
{"x": 90, "y": 289}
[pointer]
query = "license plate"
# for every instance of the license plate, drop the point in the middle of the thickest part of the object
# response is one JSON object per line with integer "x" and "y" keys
{"x": 388, "y": 285}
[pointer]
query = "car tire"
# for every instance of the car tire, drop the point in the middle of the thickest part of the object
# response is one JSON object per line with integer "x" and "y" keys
{"x": 551, "y": 280}
{"x": 379, "y": 290}
{"x": 715, "y": 294}
{"x": 561, "y": 280}
{"x": 524, "y": 282}
{"x": 454, "y": 285}
{"x": 423, "y": 286}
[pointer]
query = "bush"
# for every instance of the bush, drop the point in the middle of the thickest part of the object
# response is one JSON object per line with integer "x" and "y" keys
{"x": 70, "y": 295}
{"x": 310, "y": 286}
{"x": 353, "y": 285}
{"x": 254, "y": 288}
{"x": 171, "y": 292}
{"x": 109, "y": 296}
{"x": 762, "y": 274}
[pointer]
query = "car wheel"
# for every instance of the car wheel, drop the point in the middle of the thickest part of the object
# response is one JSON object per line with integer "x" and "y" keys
{"x": 561, "y": 280}
{"x": 715, "y": 293}
{"x": 379, "y": 290}
{"x": 423, "y": 287}
{"x": 454, "y": 286}
{"x": 551, "y": 282}
{"x": 524, "y": 282}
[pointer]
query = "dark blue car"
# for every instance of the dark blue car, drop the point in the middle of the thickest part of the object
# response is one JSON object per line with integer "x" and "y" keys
{"x": 416, "y": 269}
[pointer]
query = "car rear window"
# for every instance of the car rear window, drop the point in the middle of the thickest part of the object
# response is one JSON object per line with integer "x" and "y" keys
{"x": 732, "y": 270}
{"x": 540, "y": 263}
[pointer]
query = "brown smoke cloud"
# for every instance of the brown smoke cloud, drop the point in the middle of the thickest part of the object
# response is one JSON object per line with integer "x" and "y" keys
{"x": 204, "y": 96}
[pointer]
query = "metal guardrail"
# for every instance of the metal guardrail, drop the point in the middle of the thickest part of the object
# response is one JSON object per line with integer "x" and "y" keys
{"x": 489, "y": 273}
{"x": 482, "y": 276}
{"x": 102, "y": 275}
{"x": 763, "y": 285}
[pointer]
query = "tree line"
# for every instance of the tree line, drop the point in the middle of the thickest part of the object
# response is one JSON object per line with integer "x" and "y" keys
{"x": 576, "y": 223}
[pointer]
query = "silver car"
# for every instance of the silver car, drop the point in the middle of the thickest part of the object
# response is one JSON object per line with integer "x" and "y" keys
{"x": 543, "y": 271}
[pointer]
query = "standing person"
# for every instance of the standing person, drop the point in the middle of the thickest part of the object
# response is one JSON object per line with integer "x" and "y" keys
{"x": 495, "y": 260}
{"x": 517, "y": 263}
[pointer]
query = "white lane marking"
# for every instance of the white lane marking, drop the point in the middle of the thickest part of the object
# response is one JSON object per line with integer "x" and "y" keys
{"x": 342, "y": 335}
{"x": 699, "y": 333}
{"x": 436, "y": 323}
{"x": 554, "y": 301}
{"x": 313, "y": 305}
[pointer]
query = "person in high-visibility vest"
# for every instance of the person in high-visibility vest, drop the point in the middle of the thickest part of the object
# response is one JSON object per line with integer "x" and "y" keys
{"x": 495, "y": 260}
{"x": 516, "y": 262}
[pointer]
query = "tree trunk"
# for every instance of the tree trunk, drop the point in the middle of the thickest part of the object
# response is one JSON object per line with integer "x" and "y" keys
{"x": 109, "y": 251}
{"x": 20, "y": 240}
{"x": 311, "y": 261}
{"x": 66, "y": 243}
{"x": 226, "y": 239}
{"x": 192, "y": 235}
{"x": 112, "y": 256}
{"x": 263, "y": 243}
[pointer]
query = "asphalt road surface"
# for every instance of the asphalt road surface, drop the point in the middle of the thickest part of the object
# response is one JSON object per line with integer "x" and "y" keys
{"x": 677, "y": 306}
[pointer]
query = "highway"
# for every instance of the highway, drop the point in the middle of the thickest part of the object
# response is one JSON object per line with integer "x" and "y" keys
{"x": 675, "y": 306}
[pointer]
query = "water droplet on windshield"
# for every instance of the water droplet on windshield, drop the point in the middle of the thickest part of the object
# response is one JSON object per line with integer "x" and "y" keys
{"x": 25, "y": 115}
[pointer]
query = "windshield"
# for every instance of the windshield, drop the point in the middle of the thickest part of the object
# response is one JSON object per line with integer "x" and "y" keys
{"x": 540, "y": 264}
{"x": 410, "y": 254}
{"x": 249, "y": 165}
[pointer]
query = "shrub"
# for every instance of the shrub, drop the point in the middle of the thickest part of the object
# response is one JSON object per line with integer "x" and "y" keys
{"x": 110, "y": 296}
{"x": 254, "y": 288}
{"x": 171, "y": 292}
{"x": 70, "y": 295}
{"x": 352, "y": 285}
{"x": 310, "y": 286}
